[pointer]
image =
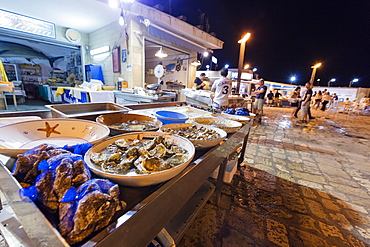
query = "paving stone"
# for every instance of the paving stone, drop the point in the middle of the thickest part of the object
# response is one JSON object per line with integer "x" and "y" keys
{"x": 308, "y": 192}
{"x": 232, "y": 238}
{"x": 341, "y": 220}
{"x": 331, "y": 205}
{"x": 309, "y": 177}
{"x": 307, "y": 222}
{"x": 277, "y": 233}
{"x": 350, "y": 190}
{"x": 309, "y": 239}
{"x": 363, "y": 232}
{"x": 254, "y": 226}
{"x": 341, "y": 180}
{"x": 295, "y": 166}
{"x": 316, "y": 208}
{"x": 310, "y": 184}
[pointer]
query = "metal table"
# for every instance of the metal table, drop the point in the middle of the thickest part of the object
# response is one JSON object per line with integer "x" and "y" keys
{"x": 149, "y": 209}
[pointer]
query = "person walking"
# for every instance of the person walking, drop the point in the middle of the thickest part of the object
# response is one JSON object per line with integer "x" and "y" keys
{"x": 222, "y": 89}
{"x": 296, "y": 107}
{"x": 306, "y": 103}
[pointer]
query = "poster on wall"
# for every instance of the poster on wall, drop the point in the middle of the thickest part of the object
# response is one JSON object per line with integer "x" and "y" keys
{"x": 116, "y": 60}
{"x": 124, "y": 55}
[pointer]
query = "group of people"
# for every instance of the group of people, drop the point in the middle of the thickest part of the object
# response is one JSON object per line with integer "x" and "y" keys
{"x": 302, "y": 99}
{"x": 221, "y": 89}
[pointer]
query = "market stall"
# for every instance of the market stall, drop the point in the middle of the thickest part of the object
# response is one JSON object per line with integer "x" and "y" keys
{"x": 149, "y": 209}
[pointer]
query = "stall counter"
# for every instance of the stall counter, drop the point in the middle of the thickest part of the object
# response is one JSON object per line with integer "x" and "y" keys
{"x": 150, "y": 209}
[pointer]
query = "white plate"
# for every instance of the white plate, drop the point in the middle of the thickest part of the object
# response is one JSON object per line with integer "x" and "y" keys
{"x": 139, "y": 180}
{"x": 241, "y": 119}
{"x": 19, "y": 137}
{"x": 229, "y": 126}
{"x": 199, "y": 144}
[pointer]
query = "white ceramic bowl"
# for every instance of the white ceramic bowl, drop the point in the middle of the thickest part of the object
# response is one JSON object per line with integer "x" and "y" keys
{"x": 139, "y": 180}
{"x": 17, "y": 138}
{"x": 199, "y": 144}
{"x": 229, "y": 126}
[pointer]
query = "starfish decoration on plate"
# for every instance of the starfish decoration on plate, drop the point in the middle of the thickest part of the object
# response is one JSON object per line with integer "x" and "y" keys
{"x": 49, "y": 130}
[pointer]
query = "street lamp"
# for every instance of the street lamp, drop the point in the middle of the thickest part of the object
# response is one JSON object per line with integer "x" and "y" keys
{"x": 242, "y": 43}
{"x": 246, "y": 66}
{"x": 292, "y": 79}
{"x": 354, "y": 80}
{"x": 314, "y": 72}
{"x": 331, "y": 80}
{"x": 226, "y": 66}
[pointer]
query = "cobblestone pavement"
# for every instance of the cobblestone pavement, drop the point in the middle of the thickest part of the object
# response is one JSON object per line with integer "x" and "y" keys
{"x": 300, "y": 185}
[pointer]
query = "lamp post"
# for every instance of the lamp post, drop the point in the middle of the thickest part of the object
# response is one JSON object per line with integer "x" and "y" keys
{"x": 242, "y": 43}
{"x": 354, "y": 80}
{"x": 331, "y": 80}
{"x": 314, "y": 72}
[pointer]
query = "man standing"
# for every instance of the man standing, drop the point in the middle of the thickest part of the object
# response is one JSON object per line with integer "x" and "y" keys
{"x": 277, "y": 100}
{"x": 270, "y": 97}
{"x": 260, "y": 97}
{"x": 198, "y": 82}
{"x": 222, "y": 89}
{"x": 305, "y": 106}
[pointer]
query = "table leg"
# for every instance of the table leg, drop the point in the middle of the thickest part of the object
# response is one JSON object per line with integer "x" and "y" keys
{"x": 220, "y": 180}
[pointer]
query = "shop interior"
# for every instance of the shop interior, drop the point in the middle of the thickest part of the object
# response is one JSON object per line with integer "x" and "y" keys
{"x": 29, "y": 63}
{"x": 172, "y": 69}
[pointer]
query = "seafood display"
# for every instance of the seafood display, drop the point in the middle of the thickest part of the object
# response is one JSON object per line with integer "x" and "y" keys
{"x": 60, "y": 184}
{"x": 194, "y": 132}
{"x": 229, "y": 126}
{"x": 135, "y": 125}
{"x": 140, "y": 156}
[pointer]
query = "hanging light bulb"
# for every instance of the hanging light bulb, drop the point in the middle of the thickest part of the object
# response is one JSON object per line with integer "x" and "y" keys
{"x": 121, "y": 20}
{"x": 161, "y": 53}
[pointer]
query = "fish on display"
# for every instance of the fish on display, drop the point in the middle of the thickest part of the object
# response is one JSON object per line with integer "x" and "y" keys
{"x": 9, "y": 49}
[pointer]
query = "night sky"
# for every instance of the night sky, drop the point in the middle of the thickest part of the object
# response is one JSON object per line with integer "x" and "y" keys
{"x": 288, "y": 36}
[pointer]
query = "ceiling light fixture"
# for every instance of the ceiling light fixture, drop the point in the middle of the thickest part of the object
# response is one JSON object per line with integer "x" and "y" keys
{"x": 161, "y": 53}
{"x": 196, "y": 63}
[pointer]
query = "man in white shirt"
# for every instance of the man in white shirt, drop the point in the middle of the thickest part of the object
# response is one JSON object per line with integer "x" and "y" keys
{"x": 222, "y": 89}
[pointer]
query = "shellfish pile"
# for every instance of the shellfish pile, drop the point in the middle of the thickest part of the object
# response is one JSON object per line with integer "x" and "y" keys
{"x": 140, "y": 156}
{"x": 194, "y": 132}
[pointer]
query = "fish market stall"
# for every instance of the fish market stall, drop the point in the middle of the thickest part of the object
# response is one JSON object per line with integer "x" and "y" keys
{"x": 149, "y": 211}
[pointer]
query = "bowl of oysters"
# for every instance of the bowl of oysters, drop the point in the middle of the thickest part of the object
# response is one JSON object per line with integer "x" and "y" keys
{"x": 141, "y": 158}
{"x": 202, "y": 136}
{"x": 120, "y": 123}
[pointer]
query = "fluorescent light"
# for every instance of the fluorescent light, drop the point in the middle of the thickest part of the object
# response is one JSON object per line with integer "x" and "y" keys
{"x": 99, "y": 50}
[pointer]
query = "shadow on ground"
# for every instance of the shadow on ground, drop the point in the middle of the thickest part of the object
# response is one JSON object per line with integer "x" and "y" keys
{"x": 259, "y": 209}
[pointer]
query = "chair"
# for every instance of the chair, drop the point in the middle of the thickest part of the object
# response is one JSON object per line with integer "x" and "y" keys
{"x": 8, "y": 87}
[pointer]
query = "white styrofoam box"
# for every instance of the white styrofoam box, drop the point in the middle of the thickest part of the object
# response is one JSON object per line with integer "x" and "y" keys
{"x": 230, "y": 170}
{"x": 120, "y": 101}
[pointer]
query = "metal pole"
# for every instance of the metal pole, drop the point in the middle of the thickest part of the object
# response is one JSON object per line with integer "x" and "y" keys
{"x": 350, "y": 84}
{"x": 240, "y": 65}
{"x": 313, "y": 75}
